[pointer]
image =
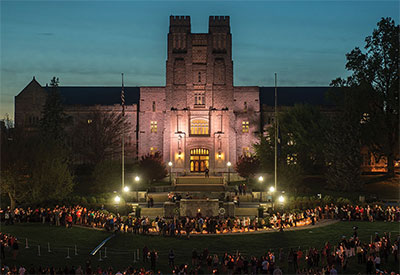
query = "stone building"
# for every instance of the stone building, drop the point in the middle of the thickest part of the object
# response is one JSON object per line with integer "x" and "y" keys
{"x": 198, "y": 119}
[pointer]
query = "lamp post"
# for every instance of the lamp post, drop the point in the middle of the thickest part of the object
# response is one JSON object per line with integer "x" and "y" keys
{"x": 170, "y": 172}
{"x": 260, "y": 180}
{"x": 229, "y": 164}
{"x": 117, "y": 199}
{"x": 137, "y": 179}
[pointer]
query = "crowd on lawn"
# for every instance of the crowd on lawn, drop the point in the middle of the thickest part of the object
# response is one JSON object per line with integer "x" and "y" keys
{"x": 329, "y": 259}
{"x": 79, "y": 215}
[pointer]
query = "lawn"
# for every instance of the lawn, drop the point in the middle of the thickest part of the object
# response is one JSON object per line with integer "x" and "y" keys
{"x": 120, "y": 249}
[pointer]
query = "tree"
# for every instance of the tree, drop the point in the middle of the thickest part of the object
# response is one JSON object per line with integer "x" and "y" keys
{"x": 375, "y": 75}
{"x": 106, "y": 176}
{"x": 152, "y": 167}
{"x": 97, "y": 136}
{"x": 343, "y": 153}
{"x": 302, "y": 139}
{"x": 303, "y": 129}
{"x": 34, "y": 170}
{"x": 54, "y": 119}
{"x": 247, "y": 166}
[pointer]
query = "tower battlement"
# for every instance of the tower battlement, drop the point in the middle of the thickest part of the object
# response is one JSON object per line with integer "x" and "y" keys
{"x": 218, "y": 21}
{"x": 179, "y": 20}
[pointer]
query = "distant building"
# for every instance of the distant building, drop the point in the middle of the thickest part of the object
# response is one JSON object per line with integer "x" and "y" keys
{"x": 199, "y": 118}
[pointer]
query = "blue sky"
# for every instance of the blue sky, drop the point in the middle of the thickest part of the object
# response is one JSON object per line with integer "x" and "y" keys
{"x": 92, "y": 42}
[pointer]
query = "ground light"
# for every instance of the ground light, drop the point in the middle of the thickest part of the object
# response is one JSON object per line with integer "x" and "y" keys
{"x": 117, "y": 199}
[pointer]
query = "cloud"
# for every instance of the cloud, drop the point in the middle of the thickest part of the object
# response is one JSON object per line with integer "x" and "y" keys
{"x": 46, "y": 33}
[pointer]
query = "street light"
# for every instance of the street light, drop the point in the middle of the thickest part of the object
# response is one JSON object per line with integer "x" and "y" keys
{"x": 170, "y": 172}
{"x": 281, "y": 199}
{"x": 272, "y": 189}
{"x": 229, "y": 164}
{"x": 260, "y": 178}
{"x": 126, "y": 189}
{"x": 117, "y": 199}
{"x": 137, "y": 179}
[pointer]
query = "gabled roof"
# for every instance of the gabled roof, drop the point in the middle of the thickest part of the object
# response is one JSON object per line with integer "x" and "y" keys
{"x": 92, "y": 95}
{"x": 289, "y": 96}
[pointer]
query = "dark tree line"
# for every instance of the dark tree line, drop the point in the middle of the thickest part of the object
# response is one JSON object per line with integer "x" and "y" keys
{"x": 366, "y": 115}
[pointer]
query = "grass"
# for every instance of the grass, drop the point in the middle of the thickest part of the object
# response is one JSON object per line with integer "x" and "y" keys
{"x": 120, "y": 249}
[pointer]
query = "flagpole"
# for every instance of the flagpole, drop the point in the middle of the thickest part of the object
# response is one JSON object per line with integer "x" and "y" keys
{"x": 123, "y": 132}
{"x": 276, "y": 132}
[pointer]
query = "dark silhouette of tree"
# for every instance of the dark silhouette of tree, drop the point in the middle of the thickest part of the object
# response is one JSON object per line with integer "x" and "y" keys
{"x": 54, "y": 120}
{"x": 247, "y": 166}
{"x": 97, "y": 136}
{"x": 152, "y": 167}
{"x": 375, "y": 83}
{"x": 34, "y": 170}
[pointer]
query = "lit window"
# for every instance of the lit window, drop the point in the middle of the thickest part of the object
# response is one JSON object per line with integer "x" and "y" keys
{"x": 153, "y": 150}
{"x": 199, "y": 99}
{"x": 245, "y": 126}
{"x": 290, "y": 140}
{"x": 199, "y": 127}
{"x": 291, "y": 159}
{"x": 89, "y": 121}
{"x": 246, "y": 151}
{"x": 153, "y": 126}
{"x": 365, "y": 118}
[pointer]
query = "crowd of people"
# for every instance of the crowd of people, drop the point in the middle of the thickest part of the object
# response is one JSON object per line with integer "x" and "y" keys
{"x": 79, "y": 215}
{"x": 178, "y": 226}
{"x": 328, "y": 259}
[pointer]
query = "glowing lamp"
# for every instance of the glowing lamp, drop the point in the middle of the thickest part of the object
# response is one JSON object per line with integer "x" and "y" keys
{"x": 260, "y": 178}
{"x": 117, "y": 199}
{"x": 126, "y": 189}
{"x": 272, "y": 189}
{"x": 229, "y": 164}
{"x": 170, "y": 164}
{"x": 281, "y": 199}
{"x": 137, "y": 178}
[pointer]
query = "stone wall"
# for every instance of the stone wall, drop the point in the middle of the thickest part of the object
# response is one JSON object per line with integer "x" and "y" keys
{"x": 191, "y": 207}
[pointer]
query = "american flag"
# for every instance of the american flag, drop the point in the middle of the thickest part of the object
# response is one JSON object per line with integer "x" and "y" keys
{"x": 123, "y": 96}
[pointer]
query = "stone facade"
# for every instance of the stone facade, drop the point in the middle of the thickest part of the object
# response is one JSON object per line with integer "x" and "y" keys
{"x": 199, "y": 96}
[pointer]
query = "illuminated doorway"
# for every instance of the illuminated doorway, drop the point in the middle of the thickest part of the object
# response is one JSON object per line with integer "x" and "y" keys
{"x": 199, "y": 159}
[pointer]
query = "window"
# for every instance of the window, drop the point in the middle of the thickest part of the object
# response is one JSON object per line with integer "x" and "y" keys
{"x": 199, "y": 99}
{"x": 153, "y": 150}
{"x": 153, "y": 126}
{"x": 154, "y": 106}
{"x": 246, "y": 151}
{"x": 365, "y": 118}
{"x": 199, "y": 76}
{"x": 245, "y": 107}
{"x": 291, "y": 159}
{"x": 199, "y": 127}
{"x": 245, "y": 126}
{"x": 89, "y": 121}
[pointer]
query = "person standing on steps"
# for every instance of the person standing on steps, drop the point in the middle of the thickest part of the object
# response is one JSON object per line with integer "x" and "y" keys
{"x": 206, "y": 172}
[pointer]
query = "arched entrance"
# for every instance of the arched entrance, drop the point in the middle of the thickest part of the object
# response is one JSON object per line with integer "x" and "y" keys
{"x": 199, "y": 160}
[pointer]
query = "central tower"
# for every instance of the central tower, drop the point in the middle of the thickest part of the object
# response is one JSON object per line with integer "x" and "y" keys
{"x": 199, "y": 91}
{"x": 199, "y": 120}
